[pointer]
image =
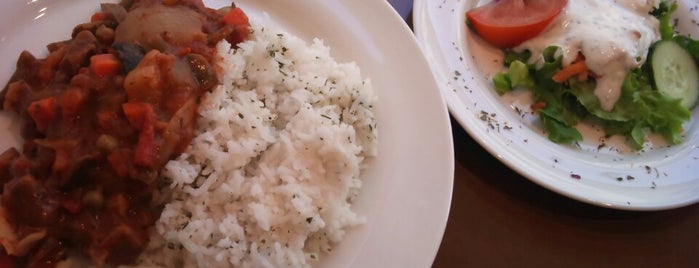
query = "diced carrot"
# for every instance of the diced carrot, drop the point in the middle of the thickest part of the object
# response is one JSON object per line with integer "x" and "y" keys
{"x": 136, "y": 112}
{"x": 43, "y": 112}
{"x": 98, "y": 16}
{"x": 105, "y": 64}
{"x": 569, "y": 71}
{"x": 236, "y": 17}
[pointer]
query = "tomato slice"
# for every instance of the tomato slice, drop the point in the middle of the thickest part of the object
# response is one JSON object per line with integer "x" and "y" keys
{"x": 508, "y": 23}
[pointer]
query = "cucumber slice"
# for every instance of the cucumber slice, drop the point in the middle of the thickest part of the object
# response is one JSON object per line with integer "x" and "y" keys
{"x": 675, "y": 73}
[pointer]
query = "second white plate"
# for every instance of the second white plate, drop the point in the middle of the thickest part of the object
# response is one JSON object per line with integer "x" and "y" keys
{"x": 599, "y": 171}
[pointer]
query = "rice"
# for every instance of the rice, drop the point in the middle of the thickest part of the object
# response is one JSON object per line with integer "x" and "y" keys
{"x": 270, "y": 176}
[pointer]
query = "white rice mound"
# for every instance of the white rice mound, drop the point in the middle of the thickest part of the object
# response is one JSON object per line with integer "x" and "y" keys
{"x": 269, "y": 179}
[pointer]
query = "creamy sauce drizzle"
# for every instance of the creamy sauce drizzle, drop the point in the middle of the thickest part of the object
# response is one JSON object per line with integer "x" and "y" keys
{"x": 613, "y": 35}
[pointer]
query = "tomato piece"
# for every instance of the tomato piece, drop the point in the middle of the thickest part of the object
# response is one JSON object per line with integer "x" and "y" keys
{"x": 236, "y": 17}
{"x": 508, "y": 23}
{"x": 240, "y": 22}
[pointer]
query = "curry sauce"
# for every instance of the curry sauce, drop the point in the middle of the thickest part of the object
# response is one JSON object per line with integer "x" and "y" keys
{"x": 101, "y": 115}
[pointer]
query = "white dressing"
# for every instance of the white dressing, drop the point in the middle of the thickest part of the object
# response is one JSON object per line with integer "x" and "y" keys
{"x": 613, "y": 35}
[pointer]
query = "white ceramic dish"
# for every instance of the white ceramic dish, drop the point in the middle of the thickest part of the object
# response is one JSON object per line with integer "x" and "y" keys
{"x": 407, "y": 190}
{"x": 601, "y": 171}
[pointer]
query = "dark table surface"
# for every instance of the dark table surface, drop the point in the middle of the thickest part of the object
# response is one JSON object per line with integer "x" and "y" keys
{"x": 500, "y": 219}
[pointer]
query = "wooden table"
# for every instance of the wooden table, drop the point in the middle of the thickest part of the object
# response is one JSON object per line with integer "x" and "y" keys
{"x": 500, "y": 219}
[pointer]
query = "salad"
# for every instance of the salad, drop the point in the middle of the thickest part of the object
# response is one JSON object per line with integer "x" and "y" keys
{"x": 617, "y": 62}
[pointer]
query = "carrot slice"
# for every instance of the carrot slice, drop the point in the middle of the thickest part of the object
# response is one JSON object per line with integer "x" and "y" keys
{"x": 105, "y": 64}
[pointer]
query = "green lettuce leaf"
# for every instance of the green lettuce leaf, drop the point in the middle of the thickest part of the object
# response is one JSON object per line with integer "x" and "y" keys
{"x": 640, "y": 109}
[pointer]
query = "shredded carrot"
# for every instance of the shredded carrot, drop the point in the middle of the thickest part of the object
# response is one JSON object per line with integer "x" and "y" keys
{"x": 538, "y": 105}
{"x": 104, "y": 64}
{"x": 577, "y": 68}
{"x": 569, "y": 71}
{"x": 583, "y": 75}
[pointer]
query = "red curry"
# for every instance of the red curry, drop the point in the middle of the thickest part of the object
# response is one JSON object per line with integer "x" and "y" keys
{"x": 102, "y": 114}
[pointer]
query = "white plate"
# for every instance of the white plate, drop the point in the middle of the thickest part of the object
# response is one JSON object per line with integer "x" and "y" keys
{"x": 610, "y": 176}
{"x": 407, "y": 189}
